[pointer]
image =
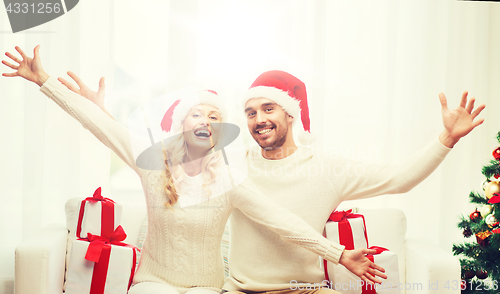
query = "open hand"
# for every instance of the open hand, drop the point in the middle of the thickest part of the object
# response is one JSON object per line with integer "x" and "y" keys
{"x": 29, "y": 68}
{"x": 357, "y": 262}
{"x": 96, "y": 97}
{"x": 460, "y": 121}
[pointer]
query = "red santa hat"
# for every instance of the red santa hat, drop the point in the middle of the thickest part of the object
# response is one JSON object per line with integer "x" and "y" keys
{"x": 177, "y": 112}
{"x": 290, "y": 93}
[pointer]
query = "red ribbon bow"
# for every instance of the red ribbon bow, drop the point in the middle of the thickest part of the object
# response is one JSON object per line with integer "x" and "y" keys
{"x": 342, "y": 217}
{"x": 338, "y": 216}
{"x": 378, "y": 248}
{"x": 98, "y": 197}
{"x": 99, "y": 251}
{"x": 97, "y": 243}
{"x": 107, "y": 214}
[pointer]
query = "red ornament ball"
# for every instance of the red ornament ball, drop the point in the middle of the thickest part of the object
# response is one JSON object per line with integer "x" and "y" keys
{"x": 496, "y": 153}
{"x": 467, "y": 275}
{"x": 476, "y": 215}
{"x": 481, "y": 274}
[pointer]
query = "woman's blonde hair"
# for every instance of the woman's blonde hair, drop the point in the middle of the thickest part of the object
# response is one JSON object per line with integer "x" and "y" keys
{"x": 175, "y": 154}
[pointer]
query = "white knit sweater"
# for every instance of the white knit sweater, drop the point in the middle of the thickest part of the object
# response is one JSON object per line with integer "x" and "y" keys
{"x": 311, "y": 184}
{"x": 182, "y": 247}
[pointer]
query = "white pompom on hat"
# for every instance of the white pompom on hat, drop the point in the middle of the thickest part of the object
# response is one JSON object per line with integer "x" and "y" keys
{"x": 290, "y": 93}
{"x": 175, "y": 115}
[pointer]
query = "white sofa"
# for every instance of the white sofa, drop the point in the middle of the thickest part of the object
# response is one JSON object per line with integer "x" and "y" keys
{"x": 40, "y": 261}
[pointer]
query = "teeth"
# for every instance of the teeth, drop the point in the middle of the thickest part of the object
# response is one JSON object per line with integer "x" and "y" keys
{"x": 264, "y": 131}
{"x": 202, "y": 133}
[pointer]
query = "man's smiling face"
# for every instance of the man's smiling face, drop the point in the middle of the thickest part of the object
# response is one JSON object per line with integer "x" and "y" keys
{"x": 267, "y": 122}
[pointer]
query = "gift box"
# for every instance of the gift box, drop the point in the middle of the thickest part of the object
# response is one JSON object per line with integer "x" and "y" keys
{"x": 98, "y": 216}
{"x": 482, "y": 238}
{"x": 348, "y": 229}
{"x": 345, "y": 282}
{"x": 100, "y": 265}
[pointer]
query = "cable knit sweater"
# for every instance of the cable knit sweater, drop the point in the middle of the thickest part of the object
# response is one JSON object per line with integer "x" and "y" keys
{"x": 311, "y": 184}
{"x": 183, "y": 244}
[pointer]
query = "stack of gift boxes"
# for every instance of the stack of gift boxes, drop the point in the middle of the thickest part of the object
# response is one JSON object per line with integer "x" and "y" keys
{"x": 349, "y": 229}
{"x": 99, "y": 262}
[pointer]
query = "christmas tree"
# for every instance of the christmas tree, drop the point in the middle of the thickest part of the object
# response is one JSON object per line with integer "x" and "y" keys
{"x": 480, "y": 258}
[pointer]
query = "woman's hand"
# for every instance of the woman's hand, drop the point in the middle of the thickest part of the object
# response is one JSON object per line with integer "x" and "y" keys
{"x": 357, "y": 262}
{"x": 28, "y": 68}
{"x": 96, "y": 97}
{"x": 83, "y": 90}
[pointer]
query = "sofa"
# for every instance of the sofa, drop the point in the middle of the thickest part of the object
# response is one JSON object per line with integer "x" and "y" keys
{"x": 424, "y": 267}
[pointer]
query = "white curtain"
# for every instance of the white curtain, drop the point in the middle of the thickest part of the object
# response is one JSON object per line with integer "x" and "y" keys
{"x": 47, "y": 157}
{"x": 373, "y": 70}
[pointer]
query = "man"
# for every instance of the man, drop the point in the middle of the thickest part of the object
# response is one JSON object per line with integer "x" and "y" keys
{"x": 275, "y": 105}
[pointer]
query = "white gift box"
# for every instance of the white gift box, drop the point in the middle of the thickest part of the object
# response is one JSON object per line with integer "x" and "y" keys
{"x": 81, "y": 271}
{"x": 357, "y": 228}
{"x": 345, "y": 282}
{"x": 92, "y": 218}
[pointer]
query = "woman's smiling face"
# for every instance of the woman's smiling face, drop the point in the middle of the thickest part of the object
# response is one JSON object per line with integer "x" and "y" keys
{"x": 201, "y": 128}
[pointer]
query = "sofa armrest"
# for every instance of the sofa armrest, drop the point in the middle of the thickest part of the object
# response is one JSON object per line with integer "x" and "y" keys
{"x": 40, "y": 261}
{"x": 431, "y": 269}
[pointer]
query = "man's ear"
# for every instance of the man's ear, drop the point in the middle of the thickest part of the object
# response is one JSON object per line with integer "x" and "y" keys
{"x": 289, "y": 119}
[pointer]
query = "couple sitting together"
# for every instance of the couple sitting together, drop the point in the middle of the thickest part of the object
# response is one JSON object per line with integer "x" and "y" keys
{"x": 277, "y": 219}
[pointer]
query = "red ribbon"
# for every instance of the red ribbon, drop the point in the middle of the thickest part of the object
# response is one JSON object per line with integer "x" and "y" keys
{"x": 107, "y": 214}
{"x": 99, "y": 251}
{"x": 97, "y": 243}
{"x": 345, "y": 231}
{"x": 370, "y": 288}
{"x": 344, "y": 227}
{"x": 496, "y": 231}
{"x": 495, "y": 199}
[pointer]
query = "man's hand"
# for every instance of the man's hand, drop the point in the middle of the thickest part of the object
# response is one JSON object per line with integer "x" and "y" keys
{"x": 83, "y": 90}
{"x": 29, "y": 68}
{"x": 357, "y": 262}
{"x": 460, "y": 121}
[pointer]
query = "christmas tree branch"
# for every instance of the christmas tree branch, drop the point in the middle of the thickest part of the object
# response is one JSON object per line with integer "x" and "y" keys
{"x": 476, "y": 198}
{"x": 492, "y": 169}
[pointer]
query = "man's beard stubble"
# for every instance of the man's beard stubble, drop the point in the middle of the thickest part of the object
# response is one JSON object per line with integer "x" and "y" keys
{"x": 278, "y": 142}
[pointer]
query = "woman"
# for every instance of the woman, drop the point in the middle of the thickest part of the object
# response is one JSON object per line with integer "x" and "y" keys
{"x": 181, "y": 252}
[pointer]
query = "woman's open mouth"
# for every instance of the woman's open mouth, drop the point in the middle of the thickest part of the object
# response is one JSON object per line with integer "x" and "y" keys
{"x": 202, "y": 134}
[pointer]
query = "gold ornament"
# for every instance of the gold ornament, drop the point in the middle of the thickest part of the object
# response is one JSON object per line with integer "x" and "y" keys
{"x": 491, "y": 188}
{"x": 485, "y": 210}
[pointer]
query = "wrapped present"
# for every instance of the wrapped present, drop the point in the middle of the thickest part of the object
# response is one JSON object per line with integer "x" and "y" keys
{"x": 100, "y": 265}
{"x": 345, "y": 282}
{"x": 348, "y": 229}
{"x": 482, "y": 238}
{"x": 98, "y": 216}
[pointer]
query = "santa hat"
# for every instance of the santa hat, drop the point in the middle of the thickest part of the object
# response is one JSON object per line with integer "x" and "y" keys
{"x": 290, "y": 93}
{"x": 175, "y": 115}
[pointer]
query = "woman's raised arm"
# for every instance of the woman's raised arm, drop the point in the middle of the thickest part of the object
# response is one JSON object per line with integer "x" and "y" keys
{"x": 84, "y": 91}
{"x": 105, "y": 128}
{"x": 29, "y": 68}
